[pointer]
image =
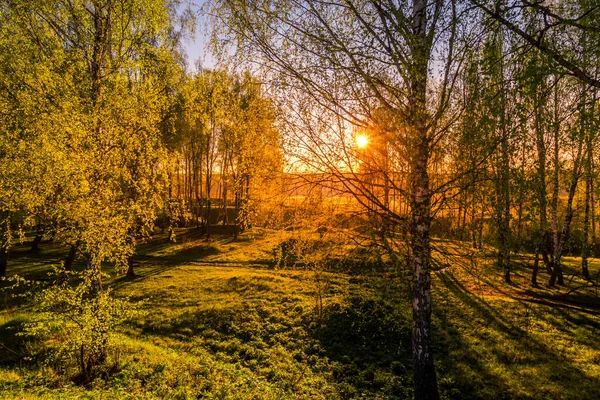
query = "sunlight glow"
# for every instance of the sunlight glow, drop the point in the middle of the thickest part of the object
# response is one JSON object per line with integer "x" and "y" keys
{"x": 362, "y": 141}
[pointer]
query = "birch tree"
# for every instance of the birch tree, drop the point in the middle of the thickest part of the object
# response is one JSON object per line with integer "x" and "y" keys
{"x": 337, "y": 62}
{"x": 91, "y": 100}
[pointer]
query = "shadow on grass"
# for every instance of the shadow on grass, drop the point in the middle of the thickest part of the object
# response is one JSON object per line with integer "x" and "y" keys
{"x": 221, "y": 322}
{"x": 369, "y": 341}
{"x": 36, "y": 265}
{"x": 367, "y": 331}
{"x": 483, "y": 365}
{"x": 151, "y": 265}
{"x": 12, "y": 347}
{"x": 364, "y": 344}
{"x": 184, "y": 237}
{"x": 194, "y": 253}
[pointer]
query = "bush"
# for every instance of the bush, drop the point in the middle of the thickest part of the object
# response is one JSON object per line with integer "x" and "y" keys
{"x": 574, "y": 244}
{"x": 292, "y": 251}
{"x": 75, "y": 328}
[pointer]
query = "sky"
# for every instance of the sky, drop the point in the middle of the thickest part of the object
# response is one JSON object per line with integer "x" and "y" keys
{"x": 195, "y": 47}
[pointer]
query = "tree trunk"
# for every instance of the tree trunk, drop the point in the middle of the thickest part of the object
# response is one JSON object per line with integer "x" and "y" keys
{"x": 99, "y": 337}
{"x": 95, "y": 276}
{"x": 555, "y": 190}
{"x": 245, "y": 223}
{"x": 3, "y": 260}
{"x": 70, "y": 258}
{"x": 35, "y": 245}
{"x": 586, "y": 227}
{"x": 209, "y": 165}
{"x": 459, "y": 219}
{"x": 424, "y": 376}
{"x": 504, "y": 228}
{"x": 208, "y": 211}
{"x": 224, "y": 180}
{"x": 505, "y": 232}
{"x": 536, "y": 266}
{"x": 236, "y": 228}
{"x": 497, "y": 107}
{"x": 225, "y": 215}
{"x": 473, "y": 226}
{"x": 593, "y": 209}
{"x": 480, "y": 227}
{"x": 562, "y": 237}
{"x": 542, "y": 246}
{"x": 590, "y": 136}
{"x": 130, "y": 267}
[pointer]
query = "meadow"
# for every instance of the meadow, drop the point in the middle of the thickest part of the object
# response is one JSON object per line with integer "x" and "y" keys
{"x": 220, "y": 320}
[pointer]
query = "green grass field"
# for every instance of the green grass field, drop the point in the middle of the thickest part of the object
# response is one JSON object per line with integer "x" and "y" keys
{"x": 218, "y": 321}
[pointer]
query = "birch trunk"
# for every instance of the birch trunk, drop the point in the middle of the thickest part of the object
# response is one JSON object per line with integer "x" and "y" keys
{"x": 424, "y": 376}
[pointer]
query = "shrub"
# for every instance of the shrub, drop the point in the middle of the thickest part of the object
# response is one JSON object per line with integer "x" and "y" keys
{"x": 76, "y": 328}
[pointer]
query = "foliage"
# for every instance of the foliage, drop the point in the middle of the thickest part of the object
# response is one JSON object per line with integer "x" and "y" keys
{"x": 467, "y": 141}
{"x": 91, "y": 166}
{"x": 226, "y": 149}
{"x": 82, "y": 104}
{"x": 76, "y": 327}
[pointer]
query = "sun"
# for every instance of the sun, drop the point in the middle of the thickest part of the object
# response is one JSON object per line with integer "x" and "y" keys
{"x": 362, "y": 141}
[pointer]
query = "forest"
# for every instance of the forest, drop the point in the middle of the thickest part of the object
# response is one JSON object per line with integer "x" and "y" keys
{"x": 354, "y": 199}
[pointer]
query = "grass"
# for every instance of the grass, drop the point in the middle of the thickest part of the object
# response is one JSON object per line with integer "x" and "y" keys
{"x": 219, "y": 322}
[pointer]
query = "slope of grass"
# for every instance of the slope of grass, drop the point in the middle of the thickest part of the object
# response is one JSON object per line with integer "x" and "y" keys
{"x": 219, "y": 322}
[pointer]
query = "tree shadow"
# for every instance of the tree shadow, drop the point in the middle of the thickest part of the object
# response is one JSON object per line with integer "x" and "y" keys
{"x": 151, "y": 265}
{"x": 13, "y": 348}
{"x": 466, "y": 350}
{"x": 368, "y": 340}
